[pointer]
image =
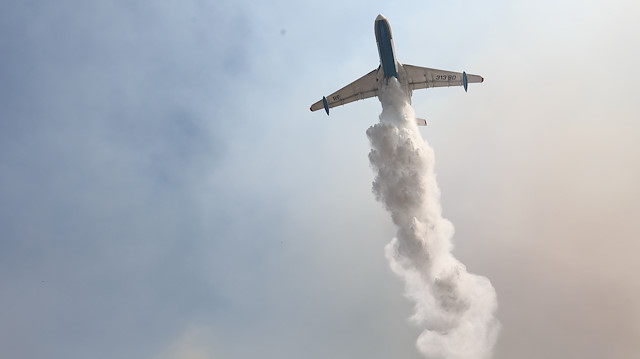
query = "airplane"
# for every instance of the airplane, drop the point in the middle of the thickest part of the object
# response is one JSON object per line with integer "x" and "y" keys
{"x": 410, "y": 77}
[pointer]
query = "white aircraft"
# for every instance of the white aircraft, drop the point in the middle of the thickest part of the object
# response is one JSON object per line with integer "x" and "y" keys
{"x": 410, "y": 77}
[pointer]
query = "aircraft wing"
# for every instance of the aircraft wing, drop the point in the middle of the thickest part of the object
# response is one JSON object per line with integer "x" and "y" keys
{"x": 364, "y": 87}
{"x": 423, "y": 77}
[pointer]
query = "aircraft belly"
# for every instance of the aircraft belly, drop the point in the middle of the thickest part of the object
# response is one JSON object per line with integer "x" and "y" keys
{"x": 385, "y": 49}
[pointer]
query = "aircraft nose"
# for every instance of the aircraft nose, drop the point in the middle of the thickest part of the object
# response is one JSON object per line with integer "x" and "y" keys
{"x": 380, "y": 17}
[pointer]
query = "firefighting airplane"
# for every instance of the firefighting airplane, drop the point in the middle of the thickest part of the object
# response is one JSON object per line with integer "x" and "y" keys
{"x": 410, "y": 77}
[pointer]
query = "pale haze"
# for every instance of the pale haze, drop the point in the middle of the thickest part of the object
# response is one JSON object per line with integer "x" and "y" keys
{"x": 165, "y": 191}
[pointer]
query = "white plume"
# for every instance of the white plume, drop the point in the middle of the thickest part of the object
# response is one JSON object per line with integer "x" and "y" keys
{"x": 455, "y": 309}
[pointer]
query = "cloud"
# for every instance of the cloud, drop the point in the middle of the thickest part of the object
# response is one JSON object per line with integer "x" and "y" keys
{"x": 159, "y": 167}
{"x": 193, "y": 343}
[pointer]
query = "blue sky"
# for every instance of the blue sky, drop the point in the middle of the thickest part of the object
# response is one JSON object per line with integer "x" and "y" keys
{"x": 166, "y": 193}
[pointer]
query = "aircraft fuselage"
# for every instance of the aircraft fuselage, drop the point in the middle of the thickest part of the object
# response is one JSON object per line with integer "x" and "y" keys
{"x": 386, "y": 49}
{"x": 389, "y": 64}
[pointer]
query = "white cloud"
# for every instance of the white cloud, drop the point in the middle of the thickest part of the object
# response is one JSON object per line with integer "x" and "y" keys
{"x": 194, "y": 343}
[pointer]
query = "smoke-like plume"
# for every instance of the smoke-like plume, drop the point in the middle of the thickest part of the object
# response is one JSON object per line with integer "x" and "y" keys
{"x": 454, "y": 308}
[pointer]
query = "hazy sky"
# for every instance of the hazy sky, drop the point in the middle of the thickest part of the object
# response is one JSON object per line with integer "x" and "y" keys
{"x": 166, "y": 193}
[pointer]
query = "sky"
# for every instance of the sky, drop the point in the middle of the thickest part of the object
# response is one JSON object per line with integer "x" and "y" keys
{"x": 166, "y": 193}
